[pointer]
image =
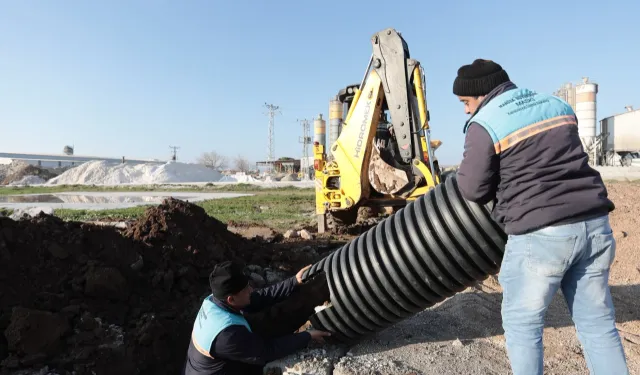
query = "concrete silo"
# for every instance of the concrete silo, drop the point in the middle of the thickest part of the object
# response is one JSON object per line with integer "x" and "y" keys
{"x": 586, "y": 111}
{"x": 336, "y": 110}
{"x": 319, "y": 130}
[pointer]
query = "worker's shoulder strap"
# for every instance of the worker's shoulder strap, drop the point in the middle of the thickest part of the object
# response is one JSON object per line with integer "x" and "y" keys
{"x": 210, "y": 321}
{"x": 521, "y": 113}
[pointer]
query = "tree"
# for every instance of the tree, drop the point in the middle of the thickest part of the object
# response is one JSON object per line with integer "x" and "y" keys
{"x": 242, "y": 164}
{"x": 213, "y": 160}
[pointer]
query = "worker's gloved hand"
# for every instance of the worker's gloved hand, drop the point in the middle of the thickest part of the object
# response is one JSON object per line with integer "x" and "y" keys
{"x": 299, "y": 274}
{"x": 318, "y": 336}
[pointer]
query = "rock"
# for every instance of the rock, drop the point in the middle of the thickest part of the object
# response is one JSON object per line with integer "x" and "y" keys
{"x": 137, "y": 265}
{"x": 309, "y": 361}
{"x": 11, "y": 362}
{"x": 33, "y": 359}
{"x": 156, "y": 278}
{"x": 273, "y": 277}
{"x": 168, "y": 280}
{"x": 58, "y": 251}
{"x": 183, "y": 285}
{"x": 71, "y": 310}
{"x": 106, "y": 282}
{"x": 370, "y": 364}
{"x": 4, "y": 347}
{"x": 29, "y": 212}
{"x": 5, "y": 254}
{"x": 290, "y": 234}
{"x": 258, "y": 280}
{"x": 618, "y": 235}
{"x": 305, "y": 234}
{"x": 254, "y": 268}
{"x": 87, "y": 322}
{"x": 7, "y": 234}
{"x": 33, "y": 331}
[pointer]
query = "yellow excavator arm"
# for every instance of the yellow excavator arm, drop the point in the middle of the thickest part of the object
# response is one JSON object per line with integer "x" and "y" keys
{"x": 376, "y": 161}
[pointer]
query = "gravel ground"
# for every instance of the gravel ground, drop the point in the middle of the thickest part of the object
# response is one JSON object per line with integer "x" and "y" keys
{"x": 463, "y": 335}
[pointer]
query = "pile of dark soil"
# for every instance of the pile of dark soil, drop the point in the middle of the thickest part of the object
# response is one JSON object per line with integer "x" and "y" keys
{"x": 94, "y": 300}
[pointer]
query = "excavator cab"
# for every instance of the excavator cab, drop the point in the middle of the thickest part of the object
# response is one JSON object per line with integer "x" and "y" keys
{"x": 383, "y": 156}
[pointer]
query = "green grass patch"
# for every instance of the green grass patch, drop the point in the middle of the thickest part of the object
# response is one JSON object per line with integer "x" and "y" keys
{"x": 241, "y": 187}
{"x": 15, "y": 190}
{"x": 278, "y": 208}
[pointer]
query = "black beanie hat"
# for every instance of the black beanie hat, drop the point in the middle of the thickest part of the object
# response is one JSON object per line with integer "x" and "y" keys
{"x": 227, "y": 278}
{"x": 479, "y": 78}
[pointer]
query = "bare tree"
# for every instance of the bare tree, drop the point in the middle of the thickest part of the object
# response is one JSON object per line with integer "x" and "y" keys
{"x": 242, "y": 164}
{"x": 213, "y": 160}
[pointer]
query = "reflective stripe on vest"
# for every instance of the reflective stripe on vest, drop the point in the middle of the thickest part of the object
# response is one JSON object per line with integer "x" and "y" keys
{"x": 211, "y": 320}
{"x": 518, "y": 114}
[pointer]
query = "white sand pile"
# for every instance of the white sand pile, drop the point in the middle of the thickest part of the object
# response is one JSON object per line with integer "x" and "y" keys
{"x": 20, "y": 213}
{"x": 9, "y": 167}
{"x": 113, "y": 173}
{"x": 29, "y": 180}
{"x": 239, "y": 177}
{"x": 290, "y": 177}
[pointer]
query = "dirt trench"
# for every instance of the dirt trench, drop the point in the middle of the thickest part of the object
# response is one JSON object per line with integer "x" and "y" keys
{"x": 93, "y": 299}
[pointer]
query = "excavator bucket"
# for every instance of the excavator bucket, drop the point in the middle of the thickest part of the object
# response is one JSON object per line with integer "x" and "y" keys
{"x": 383, "y": 177}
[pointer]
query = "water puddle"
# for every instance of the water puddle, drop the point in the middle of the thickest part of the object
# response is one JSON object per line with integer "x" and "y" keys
{"x": 104, "y": 200}
{"x": 86, "y": 199}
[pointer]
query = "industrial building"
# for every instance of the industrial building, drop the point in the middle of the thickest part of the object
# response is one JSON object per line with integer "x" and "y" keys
{"x": 582, "y": 98}
{"x": 67, "y": 159}
{"x": 618, "y": 141}
{"x": 621, "y": 138}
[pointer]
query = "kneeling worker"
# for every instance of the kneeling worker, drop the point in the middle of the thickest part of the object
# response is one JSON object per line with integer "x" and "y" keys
{"x": 222, "y": 341}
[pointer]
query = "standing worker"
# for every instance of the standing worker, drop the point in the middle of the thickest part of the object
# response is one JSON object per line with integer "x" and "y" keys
{"x": 522, "y": 150}
{"x": 222, "y": 341}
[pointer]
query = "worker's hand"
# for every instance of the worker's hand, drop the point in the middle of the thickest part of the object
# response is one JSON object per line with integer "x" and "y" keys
{"x": 318, "y": 336}
{"x": 299, "y": 274}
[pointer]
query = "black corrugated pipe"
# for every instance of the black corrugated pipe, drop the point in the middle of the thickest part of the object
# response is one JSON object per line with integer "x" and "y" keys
{"x": 433, "y": 248}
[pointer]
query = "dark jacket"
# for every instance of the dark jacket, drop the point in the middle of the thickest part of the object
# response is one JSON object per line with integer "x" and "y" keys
{"x": 542, "y": 180}
{"x": 236, "y": 350}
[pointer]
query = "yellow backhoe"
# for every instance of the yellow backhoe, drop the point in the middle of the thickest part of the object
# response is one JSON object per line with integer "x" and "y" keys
{"x": 384, "y": 155}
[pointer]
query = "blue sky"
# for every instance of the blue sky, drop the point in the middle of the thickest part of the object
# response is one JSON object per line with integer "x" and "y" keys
{"x": 134, "y": 77}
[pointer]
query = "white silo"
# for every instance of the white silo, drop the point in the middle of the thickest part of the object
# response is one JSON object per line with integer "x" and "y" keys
{"x": 586, "y": 110}
{"x": 319, "y": 130}
{"x": 335, "y": 120}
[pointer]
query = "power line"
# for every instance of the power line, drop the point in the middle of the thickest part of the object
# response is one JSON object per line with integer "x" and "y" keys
{"x": 271, "y": 112}
{"x": 306, "y": 141}
{"x": 174, "y": 156}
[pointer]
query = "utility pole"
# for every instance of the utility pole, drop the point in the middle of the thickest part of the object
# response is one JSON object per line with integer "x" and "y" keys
{"x": 306, "y": 141}
{"x": 174, "y": 157}
{"x": 271, "y": 112}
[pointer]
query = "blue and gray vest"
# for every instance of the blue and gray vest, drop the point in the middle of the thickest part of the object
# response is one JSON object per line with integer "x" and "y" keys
{"x": 211, "y": 320}
{"x": 518, "y": 114}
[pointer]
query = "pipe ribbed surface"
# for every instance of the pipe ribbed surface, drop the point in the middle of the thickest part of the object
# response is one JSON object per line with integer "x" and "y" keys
{"x": 433, "y": 248}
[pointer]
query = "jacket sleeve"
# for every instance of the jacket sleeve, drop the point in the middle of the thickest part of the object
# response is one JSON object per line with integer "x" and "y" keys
{"x": 264, "y": 297}
{"x": 478, "y": 175}
{"x": 236, "y": 343}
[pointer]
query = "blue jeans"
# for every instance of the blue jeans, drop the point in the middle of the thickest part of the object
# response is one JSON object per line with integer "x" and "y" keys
{"x": 575, "y": 258}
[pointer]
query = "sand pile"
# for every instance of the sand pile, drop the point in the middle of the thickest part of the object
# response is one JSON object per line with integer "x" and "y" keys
{"x": 29, "y": 180}
{"x": 112, "y": 173}
{"x": 290, "y": 177}
{"x": 18, "y": 172}
{"x": 239, "y": 177}
{"x": 90, "y": 299}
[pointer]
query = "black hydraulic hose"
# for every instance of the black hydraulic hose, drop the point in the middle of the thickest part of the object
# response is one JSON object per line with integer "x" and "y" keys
{"x": 433, "y": 248}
